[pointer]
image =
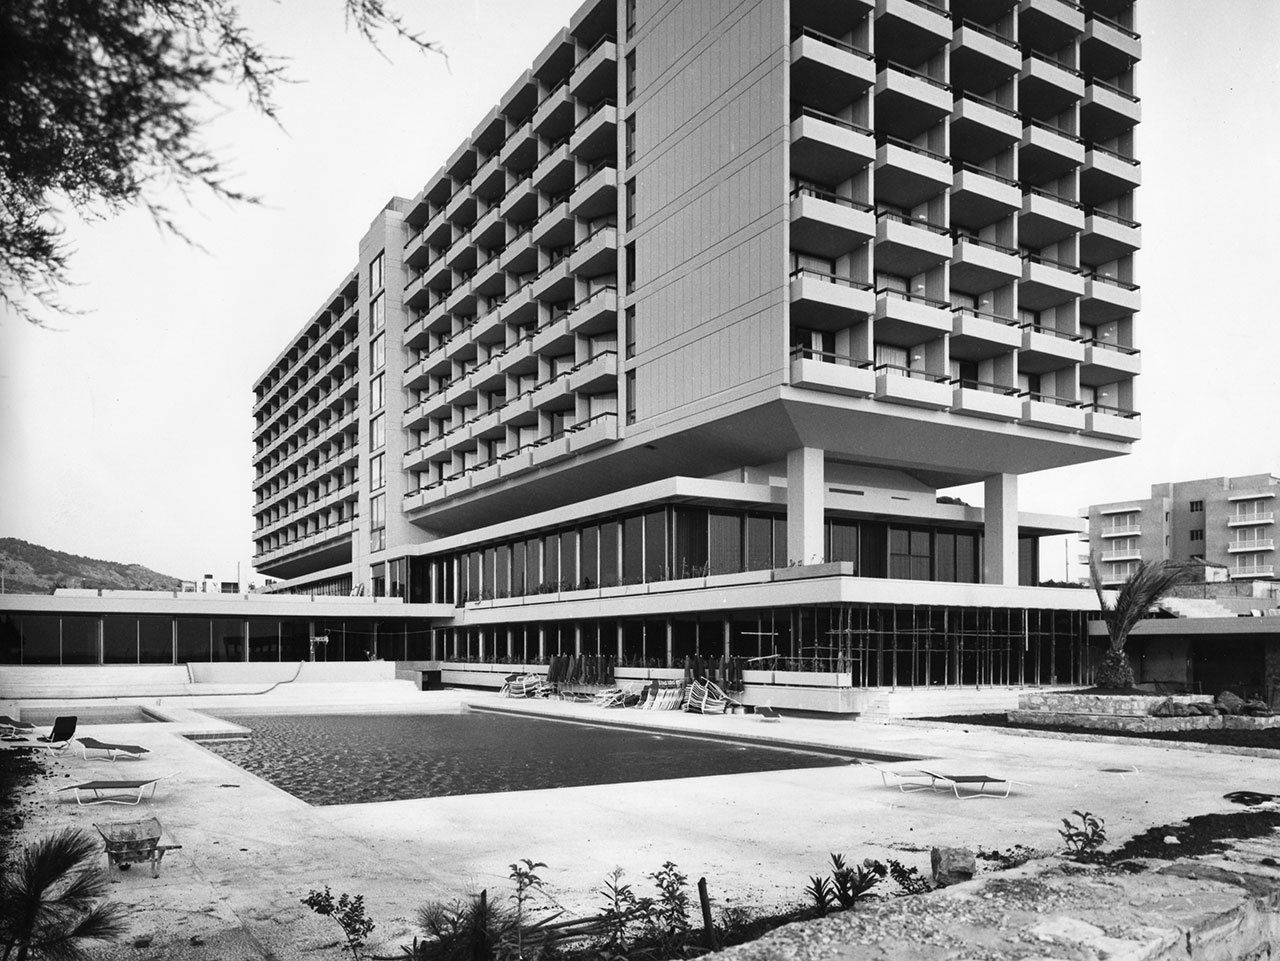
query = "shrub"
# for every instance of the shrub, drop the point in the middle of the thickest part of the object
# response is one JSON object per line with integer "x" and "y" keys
{"x": 347, "y": 911}
{"x": 1083, "y": 838}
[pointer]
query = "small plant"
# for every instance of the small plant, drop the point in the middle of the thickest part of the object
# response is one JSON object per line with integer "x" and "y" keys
{"x": 347, "y": 911}
{"x": 821, "y": 894}
{"x": 909, "y": 880}
{"x": 621, "y": 906}
{"x": 851, "y": 885}
{"x": 670, "y": 913}
{"x": 1086, "y": 837}
{"x": 524, "y": 874}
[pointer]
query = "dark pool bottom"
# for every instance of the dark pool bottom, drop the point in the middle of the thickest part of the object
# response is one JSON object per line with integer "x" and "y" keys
{"x": 352, "y": 759}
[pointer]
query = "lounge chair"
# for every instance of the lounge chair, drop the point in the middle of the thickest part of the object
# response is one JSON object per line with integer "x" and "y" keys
{"x": 132, "y": 842}
{"x": 954, "y": 781}
{"x": 767, "y": 713}
{"x": 707, "y": 697}
{"x": 59, "y": 739}
{"x": 905, "y": 780}
{"x": 114, "y": 751}
{"x": 114, "y": 792}
{"x": 11, "y": 729}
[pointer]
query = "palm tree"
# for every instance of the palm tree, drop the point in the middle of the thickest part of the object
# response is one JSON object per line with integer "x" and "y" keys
{"x": 48, "y": 901}
{"x": 1142, "y": 589}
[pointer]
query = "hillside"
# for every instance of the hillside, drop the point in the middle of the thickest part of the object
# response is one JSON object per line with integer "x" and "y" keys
{"x": 32, "y": 569}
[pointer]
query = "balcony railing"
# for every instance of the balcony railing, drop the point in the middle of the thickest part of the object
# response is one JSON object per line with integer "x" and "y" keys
{"x": 1050, "y": 331}
{"x": 1114, "y": 154}
{"x": 1050, "y": 399}
{"x": 1048, "y": 195}
{"x": 999, "y": 108}
{"x": 829, "y": 278}
{"x": 1036, "y": 55}
{"x": 959, "y": 165}
{"x": 884, "y": 64}
{"x": 830, "y": 41}
{"x": 986, "y": 315}
{"x": 829, "y": 357}
{"x": 799, "y": 110}
{"x": 1111, "y": 411}
{"x": 1114, "y": 218}
{"x": 1131, "y": 34}
{"x": 934, "y": 7}
{"x": 913, "y": 298}
{"x": 829, "y": 197}
{"x": 914, "y": 373}
{"x": 1253, "y": 544}
{"x": 987, "y": 386}
{"x": 1252, "y": 517}
{"x": 1113, "y": 281}
{"x": 912, "y": 221}
{"x": 1050, "y": 262}
{"x": 1133, "y": 98}
{"x": 988, "y": 32}
{"x": 963, "y": 238}
{"x": 1108, "y": 345}
{"x": 1058, "y": 131}
{"x": 888, "y": 140}
{"x": 607, "y": 38}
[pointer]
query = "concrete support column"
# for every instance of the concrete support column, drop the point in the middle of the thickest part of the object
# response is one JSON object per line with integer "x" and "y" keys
{"x": 577, "y": 638}
{"x": 727, "y": 630}
{"x": 542, "y": 641}
{"x": 1000, "y": 530}
{"x": 806, "y": 497}
{"x": 618, "y": 651}
{"x": 671, "y": 637}
{"x": 511, "y": 643}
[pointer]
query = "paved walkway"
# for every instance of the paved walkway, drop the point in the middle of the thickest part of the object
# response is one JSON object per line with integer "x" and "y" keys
{"x": 250, "y": 851}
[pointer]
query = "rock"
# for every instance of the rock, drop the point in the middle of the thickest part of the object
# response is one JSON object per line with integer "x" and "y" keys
{"x": 1170, "y": 839}
{"x": 952, "y": 865}
{"x": 1205, "y": 709}
{"x": 1230, "y": 702}
{"x": 1163, "y": 709}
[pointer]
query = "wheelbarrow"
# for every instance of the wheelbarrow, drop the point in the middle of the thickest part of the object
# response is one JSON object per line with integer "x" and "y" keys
{"x": 132, "y": 842}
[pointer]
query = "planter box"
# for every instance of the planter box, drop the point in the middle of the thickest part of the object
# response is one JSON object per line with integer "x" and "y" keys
{"x": 1124, "y": 705}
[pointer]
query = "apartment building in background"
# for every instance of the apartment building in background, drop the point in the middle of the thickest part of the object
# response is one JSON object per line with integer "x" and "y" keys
{"x": 675, "y": 350}
{"x": 1227, "y": 521}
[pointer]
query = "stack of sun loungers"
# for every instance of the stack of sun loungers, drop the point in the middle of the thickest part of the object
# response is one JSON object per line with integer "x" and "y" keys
{"x": 663, "y": 696}
{"x": 525, "y": 685}
{"x": 706, "y": 697}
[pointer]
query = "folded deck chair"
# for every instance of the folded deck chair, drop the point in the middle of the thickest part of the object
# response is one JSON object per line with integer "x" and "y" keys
{"x": 132, "y": 842}
{"x": 976, "y": 782}
{"x": 114, "y": 751}
{"x": 114, "y": 792}
{"x": 59, "y": 739}
{"x": 12, "y": 728}
{"x": 768, "y": 714}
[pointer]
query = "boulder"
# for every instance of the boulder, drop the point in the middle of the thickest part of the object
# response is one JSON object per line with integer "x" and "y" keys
{"x": 1230, "y": 702}
{"x": 1255, "y": 709}
{"x": 952, "y": 865}
{"x": 1205, "y": 710}
{"x": 1163, "y": 709}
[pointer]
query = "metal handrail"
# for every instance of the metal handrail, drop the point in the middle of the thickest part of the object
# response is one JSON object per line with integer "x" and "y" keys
{"x": 998, "y": 318}
{"x": 1113, "y": 281}
{"x": 986, "y": 386}
{"x": 1112, "y": 410}
{"x": 830, "y": 41}
{"x": 1131, "y": 161}
{"x": 829, "y": 277}
{"x": 1050, "y": 262}
{"x": 914, "y": 298}
{"x": 1032, "y": 122}
{"x": 1057, "y": 198}
{"x": 999, "y": 108}
{"x": 799, "y": 110}
{"x": 1107, "y": 345}
{"x": 829, "y": 357}
{"x": 912, "y": 221}
{"x": 1051, "y": 399}
{"x": 889, "y": 140}
{"x": 959, "y": 165}
{"x": 1051, "y": 331}
{"x": 1037, "y": 55}
{"x": 963, "y": 238}
{"x": 988, "y": 32}
{"x": 894, "y": 65}
{"x": 1116, "y": 90}
{"x": 805, "y": 190}
{"x": 915, "y": 373}
{"x": 1115, "y": 218}
{"x": 1131, "y": 34}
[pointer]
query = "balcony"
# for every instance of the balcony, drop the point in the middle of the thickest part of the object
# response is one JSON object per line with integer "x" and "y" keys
{"x": 596, "y": 194}
{"x": 1248, "y": 546}
{"x": 1047, "y": 153}
{"x": 1108, "y": 48}
{"x": 979, "y": 398}
{"x": 1048, "y": 218}
{"x": 519, "y": 308}
{"x": 597, "y": 313}
{"x": 1047, "y": 87}
{"x": 554, "y": 116}
{"x": 596, "y": 136}
{"x": 462, "y": 207}
{"x": 1047, "y": 283}
{"x": 520, "y": 152}
{"x": 1121, "y": 530}
{"x": 1106, "y": 363}
{"x": 596, "y": 375}
{"x": 903, "y": 318}
{"x": 554, "y": 173}
{"x": 828, "y": 225}
{"x": 1052, "y": 413}
{"x": 1108, "y": 237}
{"x": 979, "y": 265}
{"x": 982, "y": 128}
{"x": 489, "y": 279}
{"x": 826, "y": 148}
{"x": 832, "y": 373}
{"x": 552, "y": 394}
{"x": 827, "y": 73}
{"x": 980, "y": 197}
{"x": 595, "y": 75}
{"x": 1053, "y": 23}
{"x": 554, "y": 283}
{"x": 520, "y": 255}
{"x": 462, "y": 299}
{"x": 1251, "y": 519}
{"x": 1112, "y": 423}
{"x": 418, "y": 373}
{"x": 489, "y": 230}
{"x": 1106, "y": 299}
{"x": 1108, "y": 111}
{"x": 908, "y": 102}
{"x": 1254, "y": 570}
{"x": 490, "y": 181}
{"x": 555, "y": 227}
{"x": 823, "y": 301}
{"x": 553, "y": 337}
{"x": 911, "y": 29}
{"x": 1045, "y": 349}
{"x": 1121, "y": 554}
{"x": 907, "y": 175}
{"x": 436, "y": 449}
{"x": 520, "y": 205}
{"x": 593, "y": 432}
{"x": 1107, "y": 174}
{"x": 982, "y": 59}
{"x": 907, "y": 247}
{"x": 461, "y": 257}
{"x": 912, "y": 388}
{"x": 978, "y": 335}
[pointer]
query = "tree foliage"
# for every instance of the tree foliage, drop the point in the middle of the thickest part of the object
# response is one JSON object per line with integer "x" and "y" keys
{"x": 1142, "y": 589}
{"x": 102, "y": 104}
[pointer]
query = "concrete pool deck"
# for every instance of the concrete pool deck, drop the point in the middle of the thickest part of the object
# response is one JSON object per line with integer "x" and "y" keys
{"x": 251, "y": 852}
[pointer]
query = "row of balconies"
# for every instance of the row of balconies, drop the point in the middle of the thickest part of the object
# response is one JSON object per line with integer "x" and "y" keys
{"x": 300, "y": 400}
{"x": 332, "y": 462}
{"x": 1253, "y": 570}
{"x": 302, "y": 542}
{"x": 305, "y": 446}
{"x": 336, "y": 335}
{"x": 1251, "y": 519}
{"x": 1121, "y": 530}
{"x": 1253, "y": 544}
{"x": 579, "y": 438}
{"x": 316, "y": 415}
{"x": 850, "y": 377}
{"x": 323, "y": 501}
{"x": 342, "y": 314}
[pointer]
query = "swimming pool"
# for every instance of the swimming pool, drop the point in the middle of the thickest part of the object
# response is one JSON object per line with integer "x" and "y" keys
{"x": 89, "y": 714}
{"x": 350, "y": 759}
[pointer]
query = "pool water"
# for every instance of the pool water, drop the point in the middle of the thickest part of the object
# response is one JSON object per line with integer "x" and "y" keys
{"x": 89, "y": 714}
{"x": 353, "y": 759}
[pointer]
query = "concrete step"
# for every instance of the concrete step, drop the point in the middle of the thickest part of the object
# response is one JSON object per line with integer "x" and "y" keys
{"x": 908, "y": 703}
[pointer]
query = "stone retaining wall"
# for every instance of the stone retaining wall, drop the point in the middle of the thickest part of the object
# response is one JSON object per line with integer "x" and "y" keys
{"x": 1130, "y": 713}
{"x": 1126, "y": 704}
{"x": 1118, "y": 722}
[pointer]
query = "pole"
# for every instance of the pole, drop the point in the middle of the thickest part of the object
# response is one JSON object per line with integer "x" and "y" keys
{"x": 708, "y": 927}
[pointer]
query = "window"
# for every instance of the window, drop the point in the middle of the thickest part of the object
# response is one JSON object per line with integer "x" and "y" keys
{"x": 377, "y": 314}
{"x": 1197, "y": 507}
{"x": 375, "y": 273}
{"x": 631, "y": 332}
{"x": 631, "y": 18}
{"x": 377, "y": 431}
{"x": 631, "y": 267}
{"x": 377, "y": 472}
{"x": 377, "y": 393}
{"x": 631, "y": 203}
{"x": 631, "y": 75}
{"x": 377, "y": 522}
{"x": 1197, "y": 534}
{"x": 630, "y": 129}
{"x": 378, "y": 352}
{"x": 631, "y": 397}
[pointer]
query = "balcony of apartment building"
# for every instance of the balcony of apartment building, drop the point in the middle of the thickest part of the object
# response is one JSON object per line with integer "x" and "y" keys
{"x": 907, "y": 245}
{"x": 1047, "y": 86}
{"x": 596, "y": 192}
{"x": 489, "y": 280}
{"x": 908, "y": 101}
{"x": 519, "y": 308}
{"x": 980, "y": 264}
{"x": 827, "y": 72}
{"x": 982, "y": 128}
{"x": 822, "y": 299}
{"x": 553, "y": 119}
{"x": 982, "y": 58}
{"x": 907, "y": 174}
{"x": 434, "y": 450}
{"x": 597, "y": 253}
{"x": 1108, "y": 236}
{"x": 1108, "y": 111}
{"x": 1251, "y": 518}
{"x": 1107, "y": 298}
{"x": 980, "y": 334}
{"x": 1047, "y": 152}
{"x": 911, "y": 31}
{"x": 1108, "y": 47}
{"x": 597, "y": 135}
{"x": 826, "y": 148}
{"x": 1107, "y": 174}
{"x": 520, "y": 205}
{"x": 828, "y": 224}
{"x": 1106, "y": 362}
{"x": 987, "y": 399}
{"x": 1040, "y": 409}
{"x": 461, "y": 300}
{"x": 1246, "y": 545}
{"x": 519, "y": 154}
{"x": 907, "y": 319}
{"x": 912, "y": 386}
{"x": 553, "y": 336}
{"x": 1049, "y": 24}
{"x": 520, "y": 255}
{"x": 1111, "y": 422}
{"x": 1252, "y": 570}
{"x": 596, "y": 374}
{"x": 554, "y": 283}
{"x": 595, "y": 74}
{"x": 1048, "y": 217}
{"x": 980, "y": 197}
{"x": 554, "y": 173}
{"x": 1048, "y": 282}
{"x": 463, "y": 206}
{"x": 596, "y": 313}
{"x": 1045, "y": 348}
{"x": 1127, "y": 553}
{"x": 832, "y": 372}
{"x": 555, "y": 227}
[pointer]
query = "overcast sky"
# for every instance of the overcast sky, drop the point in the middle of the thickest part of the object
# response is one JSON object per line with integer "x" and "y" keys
{"x": 126, "y": 434}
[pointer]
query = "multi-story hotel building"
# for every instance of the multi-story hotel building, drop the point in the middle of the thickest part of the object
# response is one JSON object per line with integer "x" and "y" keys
{"x": 1227, "y": 521}
{"x": 674, "y": 351}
